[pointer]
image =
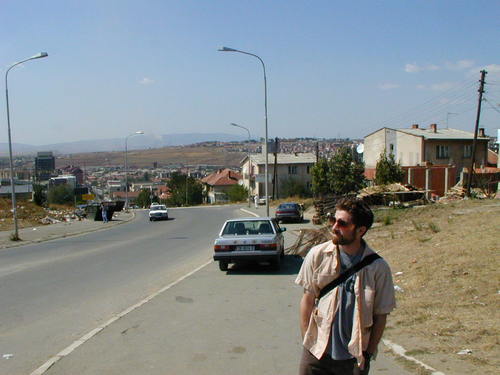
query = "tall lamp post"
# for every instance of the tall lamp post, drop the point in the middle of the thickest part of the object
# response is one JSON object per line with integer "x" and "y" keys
{"x": 13, "y": 191}
{"x": 249, "y": 164}
{"x": 227, "y": 49}
{"x": 126, "y": 166}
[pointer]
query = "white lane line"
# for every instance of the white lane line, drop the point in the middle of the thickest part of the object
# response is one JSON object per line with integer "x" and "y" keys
{"x": 399, "y": 350}
{"x": 249, "y": 212}
{"x": 69, "y": 349}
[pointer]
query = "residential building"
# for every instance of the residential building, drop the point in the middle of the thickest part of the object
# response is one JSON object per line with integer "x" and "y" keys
{"x": 281, "y": 168}
{"x": 444, "y": 151}
{"x": 217, "y": 184}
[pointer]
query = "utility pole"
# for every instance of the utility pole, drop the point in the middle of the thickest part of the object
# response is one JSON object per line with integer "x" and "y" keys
{"x": 473, "y": 158}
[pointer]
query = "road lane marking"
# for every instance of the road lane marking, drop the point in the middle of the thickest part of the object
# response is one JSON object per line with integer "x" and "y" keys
{"x": 400, "y": 351}
{"x": 69, "y": 349}
{"x": 249, "y": 212}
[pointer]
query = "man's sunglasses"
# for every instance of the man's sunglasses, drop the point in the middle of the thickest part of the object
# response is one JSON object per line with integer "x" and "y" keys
{"x": 341, "y": 223}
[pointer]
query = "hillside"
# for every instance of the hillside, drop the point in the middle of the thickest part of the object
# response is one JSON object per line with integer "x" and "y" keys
{"x": 189, "y": 155}
{"x": 445, "y": 258}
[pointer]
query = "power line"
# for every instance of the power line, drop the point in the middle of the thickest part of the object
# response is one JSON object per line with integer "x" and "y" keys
{"x": 491, "y": 105}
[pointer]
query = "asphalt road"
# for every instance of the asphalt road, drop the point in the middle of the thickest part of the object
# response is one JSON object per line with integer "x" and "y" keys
{"x": 242, "y": 321}
{"x": 52, "y": 293}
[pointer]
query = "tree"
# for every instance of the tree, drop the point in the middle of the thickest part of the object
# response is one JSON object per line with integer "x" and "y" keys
{"x": 293, "y": 187}
{"x": 340, "y": 175}
{"x": 61, "y": 194}
{"x": 144, "y": 198}
{"x": 387, "y": 170}
{"x": 237, "y": 193}
{"x": 184, "y": 190}
{"x": 39, "y": 196}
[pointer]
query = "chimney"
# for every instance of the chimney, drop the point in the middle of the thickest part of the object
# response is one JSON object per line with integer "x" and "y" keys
{"x": 434, "y": 128}
{"x": 481, "y": 132}
{"x": 414, "y": 126}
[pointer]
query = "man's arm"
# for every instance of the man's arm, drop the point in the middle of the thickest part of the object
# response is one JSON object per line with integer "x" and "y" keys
{"x": 376, "y": 332}
{"x": 306, "y": 308}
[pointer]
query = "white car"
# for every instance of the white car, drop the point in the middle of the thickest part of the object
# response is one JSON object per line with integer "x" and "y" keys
{"x": 257, "y": 239}
{"x": 158, "y": 212}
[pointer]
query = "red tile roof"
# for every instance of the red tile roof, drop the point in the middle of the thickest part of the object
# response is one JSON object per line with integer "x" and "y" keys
{"x": 222, "y": 177}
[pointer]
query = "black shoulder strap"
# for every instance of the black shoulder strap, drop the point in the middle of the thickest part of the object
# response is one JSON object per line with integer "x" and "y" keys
{"x": 369, "y": 259}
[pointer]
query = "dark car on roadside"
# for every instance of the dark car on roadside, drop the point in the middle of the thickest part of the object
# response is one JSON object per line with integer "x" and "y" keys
{"x": 289, "y": 211}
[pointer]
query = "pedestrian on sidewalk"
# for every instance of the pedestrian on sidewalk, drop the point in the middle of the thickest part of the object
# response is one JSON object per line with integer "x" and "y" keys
{"x": 104, "y": 212}
{"x": 256, "y": 201}
{"x": 342, "y": 326}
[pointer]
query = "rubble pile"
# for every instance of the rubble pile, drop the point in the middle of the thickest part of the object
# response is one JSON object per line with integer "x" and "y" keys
{"x": 307, "y": 238}
{"x": 53, "y": 216}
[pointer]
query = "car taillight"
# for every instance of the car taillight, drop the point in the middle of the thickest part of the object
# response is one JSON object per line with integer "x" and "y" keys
{"x": 268, "y": 246}
{"x": 223, "y": 247}
{"x": 279, "y": 212}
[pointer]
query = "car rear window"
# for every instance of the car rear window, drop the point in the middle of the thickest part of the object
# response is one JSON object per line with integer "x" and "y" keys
{"x": 249, "y": 227}
{"x": 287, "y": 206}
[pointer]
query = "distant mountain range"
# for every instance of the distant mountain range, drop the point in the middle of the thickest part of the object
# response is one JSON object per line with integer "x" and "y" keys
{"x": 117, "y": 144}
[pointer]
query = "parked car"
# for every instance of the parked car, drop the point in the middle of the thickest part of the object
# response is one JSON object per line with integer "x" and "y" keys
{"x": 289, "y": 211}
{"x": 158, "y": 212}
{"x": 256, "y": 239}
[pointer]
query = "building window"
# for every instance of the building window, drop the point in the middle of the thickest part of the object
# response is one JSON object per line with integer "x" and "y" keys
{"x": 292, "y": 169}
{"x": 308, "y": 169}
{"x": 391, "y": 148}
{"x": 442, "y": 152}
{"x": 467, "y": 151}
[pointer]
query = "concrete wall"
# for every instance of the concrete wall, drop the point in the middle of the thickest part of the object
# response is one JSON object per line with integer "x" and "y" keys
{"x": 456, "y": 152}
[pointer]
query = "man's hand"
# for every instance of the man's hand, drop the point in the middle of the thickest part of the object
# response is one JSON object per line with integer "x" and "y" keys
{"x": 377, "y": 332}
{"x": 306, "y": 308}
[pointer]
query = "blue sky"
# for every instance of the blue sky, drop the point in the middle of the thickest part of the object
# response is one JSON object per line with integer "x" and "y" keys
{"x": 334, "y": 68}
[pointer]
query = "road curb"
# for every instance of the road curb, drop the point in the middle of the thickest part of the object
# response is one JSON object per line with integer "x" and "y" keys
{"x": 399, "y": 351}
{"x": 50, "y": 237}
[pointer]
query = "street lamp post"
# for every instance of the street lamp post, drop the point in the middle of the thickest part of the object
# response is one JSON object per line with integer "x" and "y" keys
{"x": 249, "y": 165}
{"x": 266, "y": 177}
{"x": 12, "y": 187}
{"x": 126, "y": 166}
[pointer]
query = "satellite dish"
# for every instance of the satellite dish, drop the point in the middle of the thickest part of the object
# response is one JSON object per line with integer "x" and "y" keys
{"x": 360, "y": 148}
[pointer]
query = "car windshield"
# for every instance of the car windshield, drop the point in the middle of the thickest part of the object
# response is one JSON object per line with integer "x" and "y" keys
{"x": 246, "y": 227}
{"x": 159, "y": 207}
{"x": 287, "y": 206}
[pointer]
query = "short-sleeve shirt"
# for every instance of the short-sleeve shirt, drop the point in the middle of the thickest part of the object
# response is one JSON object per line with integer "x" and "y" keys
{"x": 373, "y": 290}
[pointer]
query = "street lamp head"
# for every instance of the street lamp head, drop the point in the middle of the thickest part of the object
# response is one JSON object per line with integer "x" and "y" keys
{"x": 39, "y": 55}
{"x": 233, "y": 124}
{"x": 139, "y": 132}
{"x": 227, "y": 49}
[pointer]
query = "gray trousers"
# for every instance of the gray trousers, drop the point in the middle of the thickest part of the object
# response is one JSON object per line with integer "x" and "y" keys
{"x": 310, "y": 365}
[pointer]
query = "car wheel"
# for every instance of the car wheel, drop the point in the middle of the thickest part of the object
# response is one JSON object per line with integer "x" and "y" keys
{"x": 150, "y": 219}
{"x": 282, "y": 254}
{"x": 223, "y": 265}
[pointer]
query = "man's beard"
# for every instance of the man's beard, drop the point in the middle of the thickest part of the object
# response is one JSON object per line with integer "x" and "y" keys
{"x": 338, "y": 239}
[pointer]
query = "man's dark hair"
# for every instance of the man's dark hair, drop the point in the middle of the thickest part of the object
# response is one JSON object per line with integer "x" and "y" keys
{"x": 362, "y": 215}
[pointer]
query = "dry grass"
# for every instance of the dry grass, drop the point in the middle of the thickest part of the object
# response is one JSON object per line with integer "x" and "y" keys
{"x": 164, "y": 156}
{"x": 449, "y": 256}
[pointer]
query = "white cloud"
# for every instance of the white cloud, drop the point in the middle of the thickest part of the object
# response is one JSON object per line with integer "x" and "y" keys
{"x": 443, "y": 86}
{"x": 146, "y": 81}
{"x": 388, "y": 86}
{"x": 460, "y": 65}
{"x": 415, "y": 68}
{"x": 412, "y": 68}
{"x": 492, "y": 69}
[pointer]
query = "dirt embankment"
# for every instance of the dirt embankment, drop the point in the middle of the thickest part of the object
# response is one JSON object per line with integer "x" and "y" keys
{"x": 30, "y": 215}
{"x": 445, "y": 259}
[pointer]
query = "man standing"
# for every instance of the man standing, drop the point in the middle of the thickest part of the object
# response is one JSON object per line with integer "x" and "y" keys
{"x": 342, "y": 328}
{"x": 104, "y": 212}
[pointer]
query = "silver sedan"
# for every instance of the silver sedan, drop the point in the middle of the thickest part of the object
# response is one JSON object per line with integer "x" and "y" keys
{"x": 256, "y": 239}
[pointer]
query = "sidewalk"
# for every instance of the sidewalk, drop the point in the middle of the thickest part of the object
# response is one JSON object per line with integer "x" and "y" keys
{"x": 62, "y": 229}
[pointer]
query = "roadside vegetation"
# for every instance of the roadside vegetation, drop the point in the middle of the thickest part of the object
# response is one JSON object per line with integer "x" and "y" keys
{"x": 444, "y": 259}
